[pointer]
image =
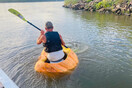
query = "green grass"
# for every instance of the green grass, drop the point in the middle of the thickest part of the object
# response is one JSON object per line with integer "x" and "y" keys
{"x": 120, "y": 1}
{"x": 88, "y": 1}
{"x": 105, "y": 4}
{"x": 66, "y": 2}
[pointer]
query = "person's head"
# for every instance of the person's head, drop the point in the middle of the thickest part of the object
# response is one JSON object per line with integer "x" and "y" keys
{"x": 48, "y": 26}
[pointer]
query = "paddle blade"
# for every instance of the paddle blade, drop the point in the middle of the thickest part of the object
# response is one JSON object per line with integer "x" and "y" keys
{"x": 13, "y": 11}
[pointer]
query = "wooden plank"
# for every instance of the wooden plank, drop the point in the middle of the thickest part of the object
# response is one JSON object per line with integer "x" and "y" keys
{"x": 6, "y": 81}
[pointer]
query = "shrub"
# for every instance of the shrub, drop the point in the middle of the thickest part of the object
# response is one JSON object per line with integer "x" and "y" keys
{"x": 88, "y": 1}
{"x": 70, "y": 2}
{"x": 99, "y": 5}
{"x": 120, "y": 1}
{"x": 104, "y": 4}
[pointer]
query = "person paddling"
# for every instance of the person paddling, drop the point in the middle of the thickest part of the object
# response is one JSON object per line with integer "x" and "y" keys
{"x": 52, "y": 42}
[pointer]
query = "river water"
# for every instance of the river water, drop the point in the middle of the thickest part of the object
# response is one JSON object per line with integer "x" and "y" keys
{"x": 103, "y": 43}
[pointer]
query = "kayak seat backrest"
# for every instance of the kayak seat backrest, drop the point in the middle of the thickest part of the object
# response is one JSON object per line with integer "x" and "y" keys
{"x": 65, "y": 56}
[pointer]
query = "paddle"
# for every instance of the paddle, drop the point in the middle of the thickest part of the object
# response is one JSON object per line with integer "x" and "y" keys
{"x": 13, "y": 11}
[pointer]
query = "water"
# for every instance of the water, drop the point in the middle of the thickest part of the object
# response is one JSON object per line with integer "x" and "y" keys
{"x": 103, "y": 43}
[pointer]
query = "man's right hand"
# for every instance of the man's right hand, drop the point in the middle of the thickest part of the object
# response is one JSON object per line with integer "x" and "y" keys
{"x": 42, "y": 32}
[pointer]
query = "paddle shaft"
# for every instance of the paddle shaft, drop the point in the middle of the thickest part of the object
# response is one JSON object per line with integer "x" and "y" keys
{"x": 34, "y": 25}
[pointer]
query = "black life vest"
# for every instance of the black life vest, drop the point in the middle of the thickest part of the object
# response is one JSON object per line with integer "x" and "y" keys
{"x": 53, "y": 42}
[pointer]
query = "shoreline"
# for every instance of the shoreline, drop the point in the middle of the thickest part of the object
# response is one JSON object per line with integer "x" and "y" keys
{"x": 101, "y": 6}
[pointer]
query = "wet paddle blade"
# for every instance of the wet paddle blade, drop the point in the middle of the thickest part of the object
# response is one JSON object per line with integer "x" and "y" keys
{"x": 13, "y": 11}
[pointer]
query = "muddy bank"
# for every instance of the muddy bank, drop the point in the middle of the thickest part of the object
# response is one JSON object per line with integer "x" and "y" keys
{"x": 102, "y": 6}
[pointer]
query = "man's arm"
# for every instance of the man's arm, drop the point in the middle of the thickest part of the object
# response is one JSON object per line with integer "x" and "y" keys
{"x": 39, "y": 40}
{"x": 62, "y": 42}
{"x": 42, "y": 38}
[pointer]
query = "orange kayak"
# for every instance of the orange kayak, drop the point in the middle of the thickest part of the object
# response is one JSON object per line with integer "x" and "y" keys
{"x": 57, "y": 69}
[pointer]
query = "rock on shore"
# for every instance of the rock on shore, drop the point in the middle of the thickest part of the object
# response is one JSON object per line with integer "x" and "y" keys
{"x": 124, "y": 8}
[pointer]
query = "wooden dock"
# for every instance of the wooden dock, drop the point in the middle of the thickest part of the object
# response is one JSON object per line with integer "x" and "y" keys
{"x": 5, "y": 81}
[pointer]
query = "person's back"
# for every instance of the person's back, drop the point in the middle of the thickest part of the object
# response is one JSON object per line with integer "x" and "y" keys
{"x": 52, "y": 42}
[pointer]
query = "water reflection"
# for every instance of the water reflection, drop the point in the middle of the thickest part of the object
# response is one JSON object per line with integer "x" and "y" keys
{"x": 102, "y": 42}
{"x": 107, "y": 60}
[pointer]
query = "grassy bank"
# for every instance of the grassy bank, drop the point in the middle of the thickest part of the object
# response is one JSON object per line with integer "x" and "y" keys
{"x": 102, "y": 3}
{"x": 70, "y": 2}
{"x": 115, "y": 6}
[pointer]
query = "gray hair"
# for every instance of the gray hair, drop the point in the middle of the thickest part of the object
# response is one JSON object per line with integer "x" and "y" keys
{"x": 49, "y": 25}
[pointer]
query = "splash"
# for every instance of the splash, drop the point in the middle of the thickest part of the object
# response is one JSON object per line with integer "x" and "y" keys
{"x": 77, "y": 47}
